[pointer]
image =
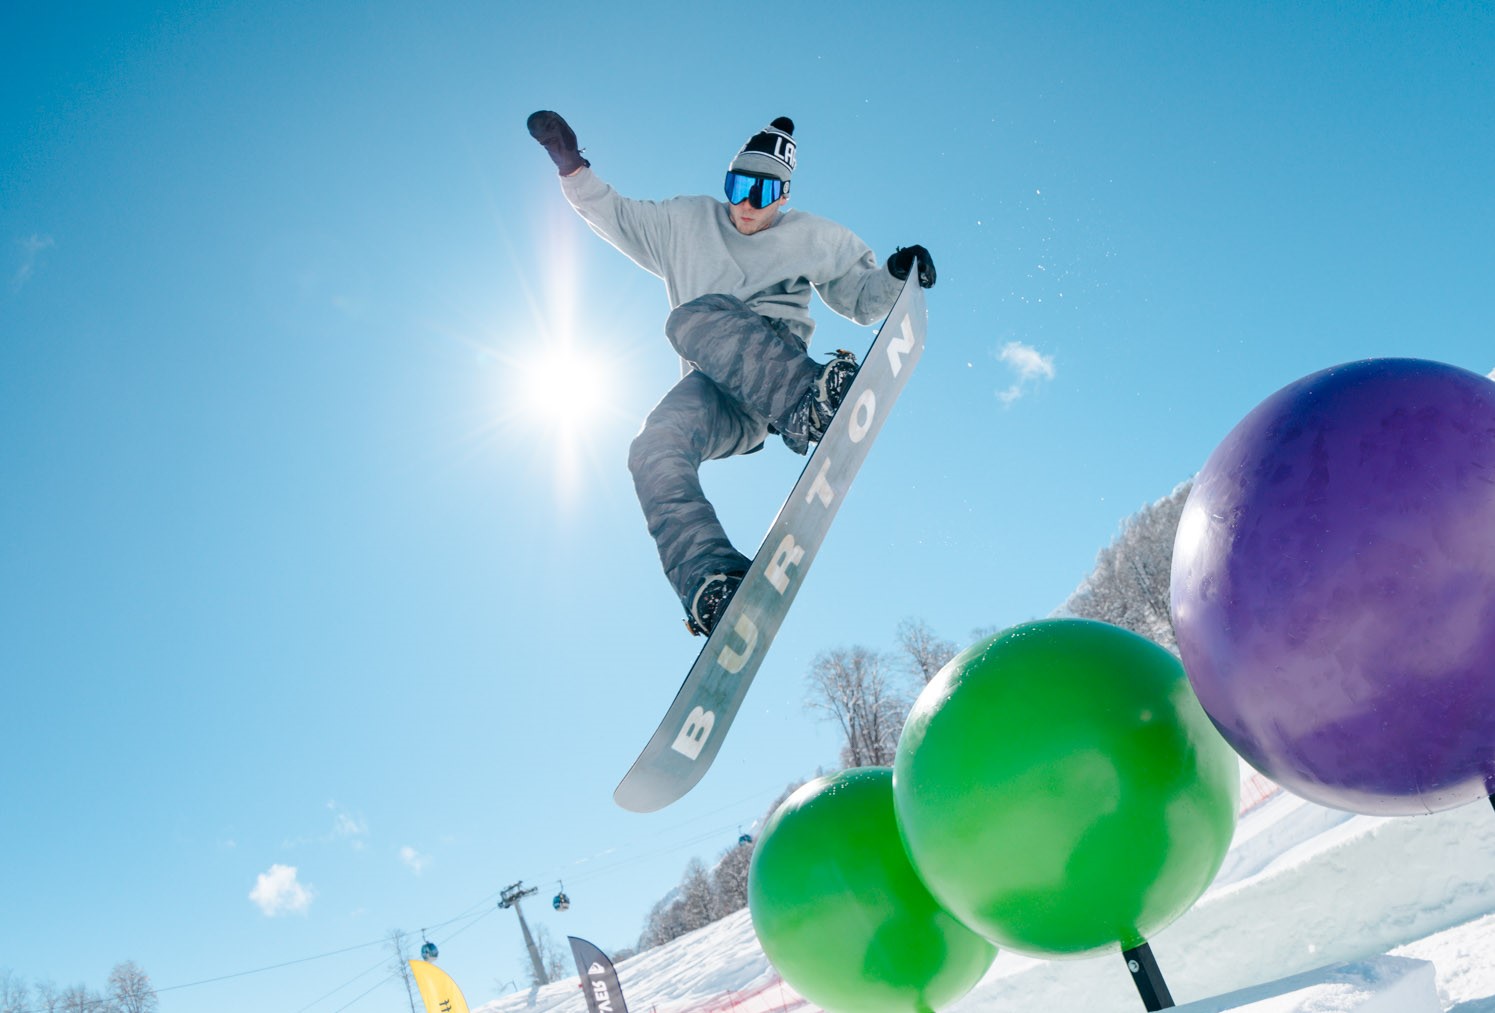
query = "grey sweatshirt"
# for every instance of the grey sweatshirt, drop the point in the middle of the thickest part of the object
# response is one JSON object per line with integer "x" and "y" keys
{"x": 691, "y": 244}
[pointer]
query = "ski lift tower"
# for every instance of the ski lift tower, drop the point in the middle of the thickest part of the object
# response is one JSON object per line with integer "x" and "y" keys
{"x": 511, "y": 897}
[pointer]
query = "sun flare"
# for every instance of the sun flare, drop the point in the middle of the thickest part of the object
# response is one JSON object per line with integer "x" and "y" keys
{"x": 558, "y": 408}
{"x": 562, "y": 392}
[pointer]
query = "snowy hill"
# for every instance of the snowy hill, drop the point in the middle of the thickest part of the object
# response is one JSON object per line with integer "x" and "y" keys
{"x": 1302, "y": 887}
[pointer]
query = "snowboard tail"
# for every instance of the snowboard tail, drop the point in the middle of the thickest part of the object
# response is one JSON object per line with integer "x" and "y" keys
{"x": 688, "y": 739}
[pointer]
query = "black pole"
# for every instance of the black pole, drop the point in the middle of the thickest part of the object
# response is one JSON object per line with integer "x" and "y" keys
{"x": 1492, "y": 800}
{"x": 512, "y": 895}
{"x": 1148, "y": 979}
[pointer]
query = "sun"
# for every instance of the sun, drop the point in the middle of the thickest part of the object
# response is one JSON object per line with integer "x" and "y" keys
{"x": 558, "y": 409}
{"x": 563, "y": 392}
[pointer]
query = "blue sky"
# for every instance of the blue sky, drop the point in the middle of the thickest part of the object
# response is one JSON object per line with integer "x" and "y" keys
{"x": 294, "y": 572}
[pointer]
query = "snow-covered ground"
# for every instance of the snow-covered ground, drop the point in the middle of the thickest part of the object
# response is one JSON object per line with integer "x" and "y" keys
{"x": 1302, "y": 887}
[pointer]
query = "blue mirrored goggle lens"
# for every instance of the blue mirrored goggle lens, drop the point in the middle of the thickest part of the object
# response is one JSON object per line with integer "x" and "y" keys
{"x": 738, "y": 187}
{"x": 758, "y": 190}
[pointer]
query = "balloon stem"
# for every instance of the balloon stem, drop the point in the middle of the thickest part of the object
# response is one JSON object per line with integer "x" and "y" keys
{"x": 1146, "y": 976}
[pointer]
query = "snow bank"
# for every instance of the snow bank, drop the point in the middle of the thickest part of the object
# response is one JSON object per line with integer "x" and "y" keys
{"x": 1302, "y": 887}
{"x": 1383, "y": 985}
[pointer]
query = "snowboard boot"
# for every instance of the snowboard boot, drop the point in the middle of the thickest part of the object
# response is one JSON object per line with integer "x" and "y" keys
{"x": 710, "y": 601}
{"x": 811, "y": 415}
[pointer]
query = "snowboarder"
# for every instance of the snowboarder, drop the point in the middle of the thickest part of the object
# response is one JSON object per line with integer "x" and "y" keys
{"x": 738, "y": 276}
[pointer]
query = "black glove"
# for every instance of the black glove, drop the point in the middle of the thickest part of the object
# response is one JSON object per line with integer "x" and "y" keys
{"x": 902, "y": 261}
{"x": 558, "y": 139}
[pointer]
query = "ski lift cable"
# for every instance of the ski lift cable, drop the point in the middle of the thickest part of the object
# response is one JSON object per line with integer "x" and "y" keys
{"x": 715, "y": 832}
{"x": 482, "y": 909}
{"x": 368, "y": 970}
{"x": 475, "y": 920}
{"x": 577, "y": 875}
{"x": 701, "y": 838}
{"x": 737, "y": 804}
{"x": 361, "y": 995}
{"x": 290, "y": 963}
{"x": 271, "y": 967}
{"x": 388, "y": 977}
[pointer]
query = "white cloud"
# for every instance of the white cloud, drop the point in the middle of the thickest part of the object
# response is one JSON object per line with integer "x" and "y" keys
{"x": 32, "y": 247}
{"x": 1031, "y": 366}
{"x": 278, "y": 892}
{"x": 346, "y": 826}
{"x": 414, "y": 859}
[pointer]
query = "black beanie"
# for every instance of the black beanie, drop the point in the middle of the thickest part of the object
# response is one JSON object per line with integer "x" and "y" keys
{"x": 770, "y": 152}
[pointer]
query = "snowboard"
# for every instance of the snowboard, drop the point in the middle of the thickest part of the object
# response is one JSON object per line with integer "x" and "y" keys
{"x": 691, "y": 734}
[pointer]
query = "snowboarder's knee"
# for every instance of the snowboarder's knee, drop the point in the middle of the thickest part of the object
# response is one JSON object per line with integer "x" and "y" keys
{"x": 648, "y": 446}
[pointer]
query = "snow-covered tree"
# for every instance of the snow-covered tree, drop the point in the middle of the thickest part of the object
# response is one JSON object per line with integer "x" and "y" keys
{"x": 701, "y": 898}
{"x": 1129, "y": 586}
{"x": 729, "y": 880}
{"x": 923, "y": 652}
{"x": 850, "y": 687}
{"x": 697, "y": 897}
{"x": 666, "y": 921}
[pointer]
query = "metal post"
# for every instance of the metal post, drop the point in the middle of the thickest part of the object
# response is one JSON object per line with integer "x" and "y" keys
{"x": 511, "y": 897}
{"x": 1148, "y": 979}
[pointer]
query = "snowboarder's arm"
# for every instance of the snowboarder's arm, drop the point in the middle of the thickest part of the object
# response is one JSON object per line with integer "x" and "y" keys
{"x": 859, "y": 288}
{"x": 637, "y": 228}
{"x": 634, "y": 227}
{"x": 863, "y": 291}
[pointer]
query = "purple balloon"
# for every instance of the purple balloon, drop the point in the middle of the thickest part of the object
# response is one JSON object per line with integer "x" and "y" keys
{"x": 1334, "y": 587}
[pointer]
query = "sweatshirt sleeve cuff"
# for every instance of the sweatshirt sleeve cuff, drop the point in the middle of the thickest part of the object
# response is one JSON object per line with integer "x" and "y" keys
{"x": 585, "y": 183}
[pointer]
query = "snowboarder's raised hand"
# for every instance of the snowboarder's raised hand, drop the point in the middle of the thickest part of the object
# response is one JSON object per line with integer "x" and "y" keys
{"x": 558, "y": 139}
{"x": 902, "y": 261}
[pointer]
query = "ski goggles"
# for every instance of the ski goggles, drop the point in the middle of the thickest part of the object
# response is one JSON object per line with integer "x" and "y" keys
{"x": 760, "y": 191}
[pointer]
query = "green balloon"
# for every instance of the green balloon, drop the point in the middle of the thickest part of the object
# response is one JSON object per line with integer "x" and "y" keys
{"x": 840, "y": 911}
{"x": 1061, "y": 791}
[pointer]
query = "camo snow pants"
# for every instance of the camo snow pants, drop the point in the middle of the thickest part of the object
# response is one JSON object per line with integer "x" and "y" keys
{"x": 749, "y": 371}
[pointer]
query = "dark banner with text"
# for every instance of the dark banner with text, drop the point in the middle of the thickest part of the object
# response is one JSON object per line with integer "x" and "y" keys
{"x": 599, "y": 980}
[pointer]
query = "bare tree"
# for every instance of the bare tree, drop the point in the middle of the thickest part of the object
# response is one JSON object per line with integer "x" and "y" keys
{"x": 396, "y": 940}
{"x": 849, "y": 686}
{"x": 15, "y": 994}
{"x": 1129, "y": 586}
{"x": 923, "y": 652}
{"x": 555, "y": 960}
{"x": 48, "y": 998}
{"x": 130, "y": 989}
{"x": 80, "y": 999}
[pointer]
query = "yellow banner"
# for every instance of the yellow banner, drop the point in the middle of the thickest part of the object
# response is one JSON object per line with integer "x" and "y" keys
{"x": 438, "y": 989}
